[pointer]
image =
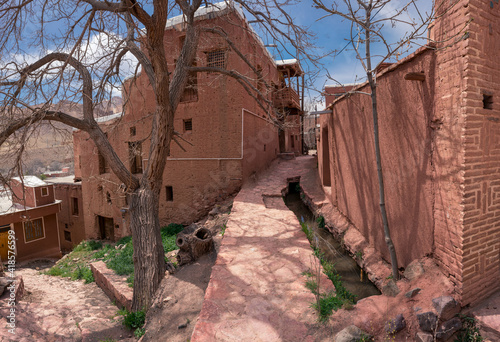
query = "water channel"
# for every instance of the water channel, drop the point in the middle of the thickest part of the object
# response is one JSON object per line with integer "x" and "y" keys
{"x": 353, "y": 278}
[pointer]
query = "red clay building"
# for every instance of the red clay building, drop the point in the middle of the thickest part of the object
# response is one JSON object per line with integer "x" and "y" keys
{"x": 30, "y": 211}
{"x": 230, "y": 137}
{"x": 70, "y": 218}
{"x": 440, "y": 140}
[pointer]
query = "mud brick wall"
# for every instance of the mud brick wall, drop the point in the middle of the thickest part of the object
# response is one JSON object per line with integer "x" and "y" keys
{"x": 230, "y": 137}
{"x": 448, "y": 141}
{"x": 406, "y": 108}
{"x": 481, "y": 225}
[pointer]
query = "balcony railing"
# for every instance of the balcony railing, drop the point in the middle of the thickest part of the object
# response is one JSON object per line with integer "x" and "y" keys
{"x": 286, "y": 97}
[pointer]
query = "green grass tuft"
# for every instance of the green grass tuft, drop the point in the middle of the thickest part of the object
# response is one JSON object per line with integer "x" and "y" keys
{"x": 326, "y": 304}
{"x": 134, "y": 320}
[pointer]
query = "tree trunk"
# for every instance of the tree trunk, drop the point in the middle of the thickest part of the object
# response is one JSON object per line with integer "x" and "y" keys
{"x": 149, "y": 255}
{"x": 383, "y": 211}
{"x": 193, "y": 244}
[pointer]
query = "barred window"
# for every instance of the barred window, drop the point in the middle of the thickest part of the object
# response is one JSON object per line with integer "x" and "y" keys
{"x": 33, "y": 230}
{"x": 216, "y": 59}
{"x": 188, "y": 125}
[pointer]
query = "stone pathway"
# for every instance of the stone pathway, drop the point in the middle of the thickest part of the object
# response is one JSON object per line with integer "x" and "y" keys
{"x": 487, "y": 314}
{"x": 56, "y": 309}
{"x": 257, "y": 288}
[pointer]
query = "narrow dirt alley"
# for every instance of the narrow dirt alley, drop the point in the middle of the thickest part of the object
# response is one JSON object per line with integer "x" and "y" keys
{"x": 57, "y": 309}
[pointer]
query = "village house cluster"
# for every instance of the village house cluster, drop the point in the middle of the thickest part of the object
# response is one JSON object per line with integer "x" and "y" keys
{"x": 227, "y": 137}
{"x": 440, "y": 141}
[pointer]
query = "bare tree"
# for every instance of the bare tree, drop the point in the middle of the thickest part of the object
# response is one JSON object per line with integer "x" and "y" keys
{"x": 369, "y": 20}
{"x": 82, "y": 50}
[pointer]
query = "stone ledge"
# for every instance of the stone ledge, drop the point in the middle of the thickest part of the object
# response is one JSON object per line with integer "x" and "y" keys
{"x": 113, "y": 285}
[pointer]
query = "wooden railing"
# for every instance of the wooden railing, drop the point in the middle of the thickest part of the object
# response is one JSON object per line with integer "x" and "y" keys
{"x": 286, "y": 97}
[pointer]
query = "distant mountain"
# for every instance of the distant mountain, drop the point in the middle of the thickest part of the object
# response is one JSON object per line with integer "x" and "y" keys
{"x": 50, "y": 146}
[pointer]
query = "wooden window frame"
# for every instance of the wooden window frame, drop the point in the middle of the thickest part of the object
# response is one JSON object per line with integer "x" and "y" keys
{"x": 75, "y": 210}
{"x": 46, "y": 189}
{"x": 35, "y": 238}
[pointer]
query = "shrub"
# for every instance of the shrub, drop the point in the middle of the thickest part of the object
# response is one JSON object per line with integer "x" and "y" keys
{"x": 469, "y": 331}
{"x": 84, "y": 273}
{"x": 326, "y": 304}
{"x": 121, "y": 260}
{"x": 320, "y": 220}
{"x": 134, "y": 320}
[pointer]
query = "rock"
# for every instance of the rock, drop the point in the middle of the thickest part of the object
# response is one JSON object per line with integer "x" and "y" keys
{"x": 350, "y": 334}
{"x": 395, "y": 325}
{"x": 4, "y": 283}
{"x": 390, "y": 289}
{"x": 214, "y": 211}
{"x": 446, "y": 307}
{"x": 448, "y": 328}
{"x": 427, "y": 321}
{"x": 413, "y": 292}
{"x": 414, "y": 270}
{"x": 423, "y": 337}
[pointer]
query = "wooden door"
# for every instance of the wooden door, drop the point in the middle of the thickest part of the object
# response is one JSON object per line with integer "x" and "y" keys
{"x": 4, "y": 242}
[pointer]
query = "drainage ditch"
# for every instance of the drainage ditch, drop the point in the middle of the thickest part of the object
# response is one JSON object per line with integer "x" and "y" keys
{"x": 352, "y": 276}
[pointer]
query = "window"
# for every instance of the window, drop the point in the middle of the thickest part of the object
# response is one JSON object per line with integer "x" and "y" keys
{"x": 216, "y": 59}
{"x": 33, "y": 230}
{"x": 169, "y": 193}
{"x": 74, "y": 206}
{"x": 108, "y": 198}
{"x": 135, "y": 156}
{"x": 45, "y": 191}
{"x": 188, "y": 125}
{"x": 292, "y": 141}
{"x": 487, "y": 101}
{"x": 67, "y": 236}
{"x": 103, "y": 165}
{"x": 133, "y": 131}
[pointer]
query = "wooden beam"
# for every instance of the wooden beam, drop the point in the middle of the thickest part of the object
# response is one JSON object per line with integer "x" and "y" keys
{"x": 415, "y": 76}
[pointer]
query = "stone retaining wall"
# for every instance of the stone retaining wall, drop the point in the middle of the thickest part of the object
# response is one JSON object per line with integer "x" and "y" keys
{"x": 113, "y": 285}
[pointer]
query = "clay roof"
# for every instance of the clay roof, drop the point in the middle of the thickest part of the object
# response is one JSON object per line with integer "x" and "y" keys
{"x": 206, "y": 12}
{"x": 61, "y": 180}
{"x": 292, "y": 64}
{"x": 6, "y": 205}
{"x": 31, "y": 181}
{"x": 108, "y": 117}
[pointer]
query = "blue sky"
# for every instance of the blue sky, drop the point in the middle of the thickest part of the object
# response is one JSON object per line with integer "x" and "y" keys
{"x": 332, "y": 33}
